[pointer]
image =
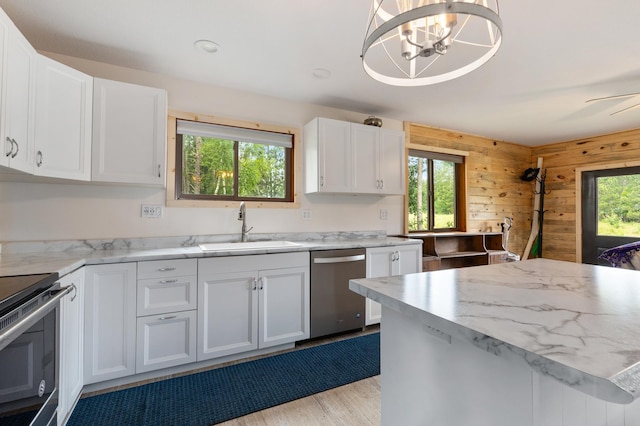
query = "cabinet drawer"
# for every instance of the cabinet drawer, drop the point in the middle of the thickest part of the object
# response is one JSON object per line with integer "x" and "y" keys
{"x": 166, "y": 340}
{"x": 170, "y": 294}
{"x": 167, "y": 268}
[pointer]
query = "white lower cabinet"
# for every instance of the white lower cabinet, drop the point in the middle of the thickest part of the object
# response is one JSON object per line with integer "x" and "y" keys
{"x": 166, "y": 323}
{"x": 252, "y": 302}
{"x": 386, "y": 262}
{"x": 110, "y": 322}
{"x": 71, "y": 342}
{"x": 165, "y": 340}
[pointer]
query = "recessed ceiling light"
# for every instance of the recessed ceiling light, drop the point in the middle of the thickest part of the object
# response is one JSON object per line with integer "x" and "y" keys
{"x": 207, "y": 46}
{"x": 321, "y": 73}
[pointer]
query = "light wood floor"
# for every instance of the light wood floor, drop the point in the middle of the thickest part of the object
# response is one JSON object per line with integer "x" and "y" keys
{"x": 354, "y": 404}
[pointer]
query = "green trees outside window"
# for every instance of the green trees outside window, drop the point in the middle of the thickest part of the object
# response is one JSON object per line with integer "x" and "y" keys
{"x": 230, "y": 168}
{"x": 432, "y": 194}
{"x": 619, "y": 205}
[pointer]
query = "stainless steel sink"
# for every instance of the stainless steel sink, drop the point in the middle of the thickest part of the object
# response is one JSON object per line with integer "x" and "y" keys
{"x": 248, "y": 245}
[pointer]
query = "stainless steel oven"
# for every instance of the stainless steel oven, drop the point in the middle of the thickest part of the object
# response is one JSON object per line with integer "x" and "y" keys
{"x": 29, "y": 348}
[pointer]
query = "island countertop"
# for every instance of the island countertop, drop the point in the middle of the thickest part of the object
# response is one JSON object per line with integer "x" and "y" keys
{"x": 577, "y": 323}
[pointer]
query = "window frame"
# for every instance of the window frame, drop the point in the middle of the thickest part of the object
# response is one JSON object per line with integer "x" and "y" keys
{"x": 438, "y": 153}
{"x": 195, "y": 201}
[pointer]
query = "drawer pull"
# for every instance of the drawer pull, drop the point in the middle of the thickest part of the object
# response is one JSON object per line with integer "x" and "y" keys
{"x": 167, "y": 269}
{"x": 167, "y": 281}
{"x": 167, "y": 318}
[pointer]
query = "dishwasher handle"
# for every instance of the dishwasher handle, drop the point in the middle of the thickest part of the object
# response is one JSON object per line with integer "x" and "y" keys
{"x": 342, "y": 259}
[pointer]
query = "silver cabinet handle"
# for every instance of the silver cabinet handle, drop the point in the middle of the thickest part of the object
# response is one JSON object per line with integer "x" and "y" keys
{"x": 263, "y": 282}
{"x": 381, "y": 183}
{"x": 167, "y": 269}
{"x": 39, "y": 158}
{"x": 255, "y": 283}
{"x": 167, "y": 318}
{"x": 167, "y": 281}
{"x": 321, "y": 180}
{"x": 17, "y": 148}
{"x": 159, "y": 170}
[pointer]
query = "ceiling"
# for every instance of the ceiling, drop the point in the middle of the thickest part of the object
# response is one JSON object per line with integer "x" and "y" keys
{"x": 555, "y": 56}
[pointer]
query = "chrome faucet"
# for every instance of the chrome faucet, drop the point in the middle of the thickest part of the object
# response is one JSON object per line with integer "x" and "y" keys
{"x": 242, "y": 215}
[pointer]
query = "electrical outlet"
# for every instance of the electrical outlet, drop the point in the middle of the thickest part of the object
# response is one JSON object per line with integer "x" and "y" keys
{"x": 306, "y": 214}
{"x": 384, "y": 214}
{"x": 151, "y": 211}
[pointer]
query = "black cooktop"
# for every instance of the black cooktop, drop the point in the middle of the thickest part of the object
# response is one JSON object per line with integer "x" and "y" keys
{"x": 16, "y": 289}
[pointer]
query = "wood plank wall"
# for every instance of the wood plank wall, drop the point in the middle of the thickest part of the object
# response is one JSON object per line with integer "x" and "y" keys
{"x": 561, "y": 161}
{"x": 494, "y": 187}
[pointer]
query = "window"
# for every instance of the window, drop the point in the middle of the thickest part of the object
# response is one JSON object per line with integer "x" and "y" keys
{"x": 433, "y": 195}
{"x": 221, "y": 162}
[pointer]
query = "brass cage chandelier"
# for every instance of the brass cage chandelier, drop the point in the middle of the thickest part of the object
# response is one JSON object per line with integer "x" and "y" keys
{"x": 422, "y": 42}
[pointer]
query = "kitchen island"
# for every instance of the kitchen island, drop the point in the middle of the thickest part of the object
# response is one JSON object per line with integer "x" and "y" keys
{"x": 538, "y": 342}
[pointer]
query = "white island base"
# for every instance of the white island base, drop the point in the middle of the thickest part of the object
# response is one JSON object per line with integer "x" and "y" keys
{"x": 432, "y": 379}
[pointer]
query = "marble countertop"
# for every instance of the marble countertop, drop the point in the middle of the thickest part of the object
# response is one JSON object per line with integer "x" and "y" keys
{"x": 65, "y": 257}
{"x": 577, "y": 323}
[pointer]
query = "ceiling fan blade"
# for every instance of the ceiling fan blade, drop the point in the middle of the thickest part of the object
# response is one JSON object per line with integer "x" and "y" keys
{"x": 628, "y": 95}
{"x": 626, "y": 109}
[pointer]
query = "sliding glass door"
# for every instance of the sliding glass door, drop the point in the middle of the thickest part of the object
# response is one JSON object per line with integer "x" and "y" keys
{"x": 610, "y": 210}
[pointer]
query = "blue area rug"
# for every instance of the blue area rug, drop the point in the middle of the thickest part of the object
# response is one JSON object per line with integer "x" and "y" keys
{"x": 225, "y": 393}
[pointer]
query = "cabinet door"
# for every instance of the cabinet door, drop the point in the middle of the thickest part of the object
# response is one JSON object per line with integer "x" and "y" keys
{"x": 380, "y": 261}
{"x": 71, "y": 344}
{"x": 391, "y": 162}
{"x": 334, "y": 156}
{"x": 110, "y": 322}
{"x": 5, "y": 144}
{"x": 386, "y": 262}
{"x": 129, "y": 133}
{"x": 166, "y": 340}
{"x": 19, "y": 102}
{"x": 227, "y": 313}
{"x": 284, "y": 306}
{"x": 364, "y": 157}
{"x": 379, "y": 264}
{"x": 63, "y": 121}
{"x": 160, "y": 295}
{"x": 409, "y": 259}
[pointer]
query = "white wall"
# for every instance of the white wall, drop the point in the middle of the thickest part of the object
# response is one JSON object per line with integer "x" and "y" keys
{"x": 56, "y": 211}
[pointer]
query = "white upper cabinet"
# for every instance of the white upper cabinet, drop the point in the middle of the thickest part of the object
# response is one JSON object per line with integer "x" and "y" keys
{"x": 129, "y": 133}
{"x": 64, "y": 102}
{"x": 327, "y": 156}
{"x": 391, "y": 162}
{"x": 18, "y": 97}
{"x": 342, "y": 157}
{"x": 364, "y": 154}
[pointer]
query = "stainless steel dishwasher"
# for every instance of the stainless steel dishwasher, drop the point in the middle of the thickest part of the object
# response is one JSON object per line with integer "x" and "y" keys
{"x": 335, "y": 308}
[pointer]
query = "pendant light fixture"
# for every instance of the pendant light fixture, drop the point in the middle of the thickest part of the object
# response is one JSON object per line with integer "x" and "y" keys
{"x": 421, "y": 42}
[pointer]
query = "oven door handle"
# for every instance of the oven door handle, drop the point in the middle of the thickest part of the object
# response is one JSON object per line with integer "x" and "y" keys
{"x": 25, "y": 323}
